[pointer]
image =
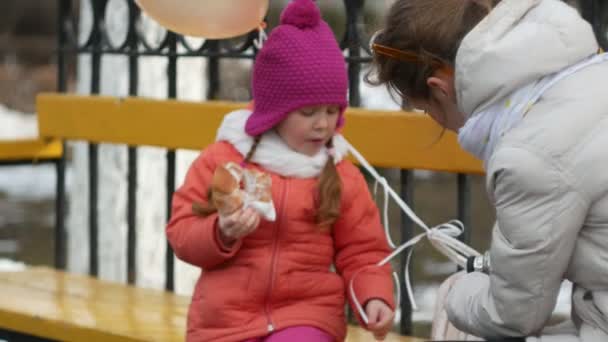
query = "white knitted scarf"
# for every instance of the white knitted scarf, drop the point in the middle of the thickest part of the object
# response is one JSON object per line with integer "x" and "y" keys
{"x": 273, "y": 153}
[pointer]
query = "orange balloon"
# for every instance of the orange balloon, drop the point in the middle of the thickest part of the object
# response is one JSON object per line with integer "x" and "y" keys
{"x": 212, "y": 19}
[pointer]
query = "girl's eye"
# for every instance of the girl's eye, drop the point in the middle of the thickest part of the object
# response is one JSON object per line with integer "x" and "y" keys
{"x": 307, "y": 112}
{"x": 333, "y": 110}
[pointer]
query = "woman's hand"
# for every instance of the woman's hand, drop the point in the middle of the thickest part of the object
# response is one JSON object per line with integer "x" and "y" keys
{"x": 380, "y": 318}
{"x": 237, "y": 225}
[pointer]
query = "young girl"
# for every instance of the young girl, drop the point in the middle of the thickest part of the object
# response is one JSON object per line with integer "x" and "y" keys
{"x": 273, "y": 280}
{"x": 523, "y": 84}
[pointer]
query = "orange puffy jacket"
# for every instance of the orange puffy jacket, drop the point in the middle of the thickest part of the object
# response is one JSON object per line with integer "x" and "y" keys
{"x": 280, "y": 275}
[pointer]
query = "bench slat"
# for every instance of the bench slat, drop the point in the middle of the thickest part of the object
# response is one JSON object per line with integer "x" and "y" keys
{"x": 58, "y": 305}
{"x": 30, "y": 150}
{"x": 357, "y": 334}
{"x": 53, "y": 304}
{"x": 385, "y": 138}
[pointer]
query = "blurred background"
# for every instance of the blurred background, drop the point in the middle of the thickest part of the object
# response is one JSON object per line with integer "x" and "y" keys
{"x": 28, "y": 46}
{"x": 28, "y": 66}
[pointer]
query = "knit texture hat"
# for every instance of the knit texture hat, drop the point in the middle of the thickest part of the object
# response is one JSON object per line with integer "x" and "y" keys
{"x": 300, "y": 65}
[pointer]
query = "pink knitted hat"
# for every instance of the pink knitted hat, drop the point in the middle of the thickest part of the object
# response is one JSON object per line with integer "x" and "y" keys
{"x": 300, "y": 65}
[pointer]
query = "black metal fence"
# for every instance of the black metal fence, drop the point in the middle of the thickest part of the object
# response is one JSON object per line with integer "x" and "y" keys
{"x": 174, "y": 46}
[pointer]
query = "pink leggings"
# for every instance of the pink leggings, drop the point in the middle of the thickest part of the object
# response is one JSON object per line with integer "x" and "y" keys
{"x": 296, "y": 334}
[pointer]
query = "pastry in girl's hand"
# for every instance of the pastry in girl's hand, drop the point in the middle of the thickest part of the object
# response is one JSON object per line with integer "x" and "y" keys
{"x": 233, "y": 188}
{"x": 257, "y": 186}
{"x": 225, "y": 194}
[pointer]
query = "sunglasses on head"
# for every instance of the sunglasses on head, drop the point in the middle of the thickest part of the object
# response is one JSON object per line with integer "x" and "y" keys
{"x": 408, "y": 56}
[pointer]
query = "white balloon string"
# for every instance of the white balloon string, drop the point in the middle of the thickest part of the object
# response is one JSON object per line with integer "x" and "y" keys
{"x": 259, "y": 41}
{"x": 442, "y": 237}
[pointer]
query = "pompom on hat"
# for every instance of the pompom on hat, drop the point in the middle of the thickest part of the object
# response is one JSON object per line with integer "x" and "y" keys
{"x": 300, "y": 65}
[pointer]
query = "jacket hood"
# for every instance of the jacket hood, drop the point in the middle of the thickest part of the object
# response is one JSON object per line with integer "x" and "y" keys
{"x": 519, "y": 42}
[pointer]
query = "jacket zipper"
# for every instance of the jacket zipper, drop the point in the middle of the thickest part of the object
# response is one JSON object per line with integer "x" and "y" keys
{"x": 273, "y": 260}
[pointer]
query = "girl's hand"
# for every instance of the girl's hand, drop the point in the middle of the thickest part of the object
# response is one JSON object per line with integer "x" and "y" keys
{"x": 237, "y": 225}
{"x": 380, "y": 318}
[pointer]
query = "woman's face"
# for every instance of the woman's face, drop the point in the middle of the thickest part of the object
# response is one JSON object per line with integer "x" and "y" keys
{"x": 446, "y": 115}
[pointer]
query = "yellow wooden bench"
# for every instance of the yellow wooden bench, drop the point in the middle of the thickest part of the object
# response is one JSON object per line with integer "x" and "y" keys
{"x": 68, "y": 307}
{"x": 385, "y": 138}
{"x": 30, "y": 150}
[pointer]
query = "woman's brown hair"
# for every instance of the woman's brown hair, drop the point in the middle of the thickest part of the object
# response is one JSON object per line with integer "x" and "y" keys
{"x": 429, "y": 30}
{"x": 329, "y": 191}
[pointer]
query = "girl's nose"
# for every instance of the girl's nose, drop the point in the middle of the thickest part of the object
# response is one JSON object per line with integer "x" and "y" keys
{"x": 322, "y": 121}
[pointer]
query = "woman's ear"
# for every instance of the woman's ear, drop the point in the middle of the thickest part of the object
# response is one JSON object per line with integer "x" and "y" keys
{"x": 443, "y": 94}
{"x": 438, "y": 85}
{"x": 442, "y": 87}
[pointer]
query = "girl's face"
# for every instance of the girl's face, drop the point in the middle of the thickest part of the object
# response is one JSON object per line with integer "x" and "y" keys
{"x": 308, "y": 129}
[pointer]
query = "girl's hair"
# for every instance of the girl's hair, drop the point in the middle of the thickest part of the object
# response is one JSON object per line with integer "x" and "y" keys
{"x": 329, "y": 192}
{"x": 430, "y": 30}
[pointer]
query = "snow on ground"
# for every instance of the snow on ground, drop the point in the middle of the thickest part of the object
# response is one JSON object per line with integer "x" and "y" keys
{"x": 24, "y": 181}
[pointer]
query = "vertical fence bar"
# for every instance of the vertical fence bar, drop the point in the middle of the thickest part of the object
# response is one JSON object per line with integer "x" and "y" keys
{"x": 352, "y": 42}
{"x": 132, "y": 150}
{"x": 407, "y": 194}
{"x": 602, "y": 23}
{"x": 587, "y": 10}
{"x": 213, "y": 71}
{"x": 172, "y": 94}
{"x": 60, "y": 233}
{"x": 464, "y": 206}
{"x": 98, "y": 7}
{"x": 352, "y": 45}
{"x": 596, "y": 13}
{"x": 64, "y": 15}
